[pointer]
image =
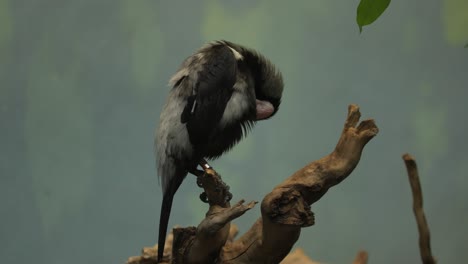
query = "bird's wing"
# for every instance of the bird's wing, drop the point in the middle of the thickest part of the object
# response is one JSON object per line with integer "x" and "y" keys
{"x": 212, "y": 87}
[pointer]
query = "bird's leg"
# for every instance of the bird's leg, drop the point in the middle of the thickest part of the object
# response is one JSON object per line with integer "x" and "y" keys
{"x": 198, "y": 173}
{"x": 204, "y": 164}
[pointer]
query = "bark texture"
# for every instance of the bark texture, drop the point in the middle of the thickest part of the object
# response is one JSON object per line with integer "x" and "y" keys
{"x": 284, "y": 211}
{"x": 423, "y": 228}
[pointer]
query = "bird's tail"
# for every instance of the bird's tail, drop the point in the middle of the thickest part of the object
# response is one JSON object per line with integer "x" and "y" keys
{"x": 166, "y": 207}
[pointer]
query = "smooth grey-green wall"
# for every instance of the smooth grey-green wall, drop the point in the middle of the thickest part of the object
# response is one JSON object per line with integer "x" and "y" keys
{"x": 82, "y": 84}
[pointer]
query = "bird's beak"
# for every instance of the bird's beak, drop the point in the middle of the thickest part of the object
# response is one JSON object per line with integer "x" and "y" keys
{"x": 264, "y": 109}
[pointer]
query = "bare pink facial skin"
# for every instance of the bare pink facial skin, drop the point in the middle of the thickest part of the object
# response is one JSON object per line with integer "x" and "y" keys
{"x": 264, "y": 109}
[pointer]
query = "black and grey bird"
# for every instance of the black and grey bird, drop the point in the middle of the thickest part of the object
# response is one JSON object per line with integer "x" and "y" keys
{"x": 217, "y": 95}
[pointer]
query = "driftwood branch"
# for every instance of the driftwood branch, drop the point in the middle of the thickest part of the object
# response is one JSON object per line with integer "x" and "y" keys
{"x": 298, "y": 257}
{"x": 423, "y": 228}
{"x": 285, "y": 210}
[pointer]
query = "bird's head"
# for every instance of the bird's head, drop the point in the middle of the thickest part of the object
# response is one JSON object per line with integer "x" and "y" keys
{"x": 267, "y": 79}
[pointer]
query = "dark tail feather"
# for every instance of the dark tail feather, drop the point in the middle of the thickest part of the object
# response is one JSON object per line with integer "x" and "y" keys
{"x": 163, "y": 222}
{"x": 166, "y": 212}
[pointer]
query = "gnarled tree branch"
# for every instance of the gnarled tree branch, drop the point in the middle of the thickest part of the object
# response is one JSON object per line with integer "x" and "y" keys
{"x": 285, "y": 210}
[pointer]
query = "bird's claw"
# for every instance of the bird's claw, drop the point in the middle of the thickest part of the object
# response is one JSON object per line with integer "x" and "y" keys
{"x": 204, "y": 197}
{"x": 228, "y": 196}
{"x": 199, "y": 182}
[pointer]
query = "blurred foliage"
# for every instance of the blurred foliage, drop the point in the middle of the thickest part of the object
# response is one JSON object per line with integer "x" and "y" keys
{"x": 5, "y": 25}
{"x": 412, "y": 36}
{"x": 220, "y": 23}
{"x": 430, "y": 127}
{"x": 369, "y": 10}
{"x": 141, "y": 25}
{"x": 455, "y": 18}
{"x": 58, "y": 131}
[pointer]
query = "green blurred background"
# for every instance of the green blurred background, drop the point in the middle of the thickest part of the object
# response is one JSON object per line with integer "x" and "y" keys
{"x": 82, "y": 84}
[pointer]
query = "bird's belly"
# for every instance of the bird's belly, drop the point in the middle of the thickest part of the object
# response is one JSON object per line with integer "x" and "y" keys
{"x": 237, "y": 118}
{"x": 225, "y": 139}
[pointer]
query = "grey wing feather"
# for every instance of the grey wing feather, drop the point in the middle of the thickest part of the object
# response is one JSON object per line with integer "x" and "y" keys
{"x": 212, "y": 90}
{"x": 202, "y": 88}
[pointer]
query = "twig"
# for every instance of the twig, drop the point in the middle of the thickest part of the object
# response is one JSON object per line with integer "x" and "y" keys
{"x": 424, "y": 236}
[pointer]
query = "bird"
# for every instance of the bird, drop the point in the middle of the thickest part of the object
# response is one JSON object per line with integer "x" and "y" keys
{"x": 216, "y": 97}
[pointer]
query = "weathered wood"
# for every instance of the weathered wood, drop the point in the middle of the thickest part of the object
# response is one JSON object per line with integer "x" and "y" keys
{"x": 285, "y": 210}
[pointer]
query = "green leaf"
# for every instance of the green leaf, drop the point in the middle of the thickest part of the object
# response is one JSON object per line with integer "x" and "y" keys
{"x": 369, "y": 10}
{"x": 466, "y": 45}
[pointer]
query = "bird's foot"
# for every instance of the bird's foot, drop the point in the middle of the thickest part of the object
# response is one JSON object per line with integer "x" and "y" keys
{"x": 216, "y": 191}
{"x": 204, "y": 197}
{"x": 199, "y": 182}
{"x": 228, "y": 196}
{"x": 199, "y": 173}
